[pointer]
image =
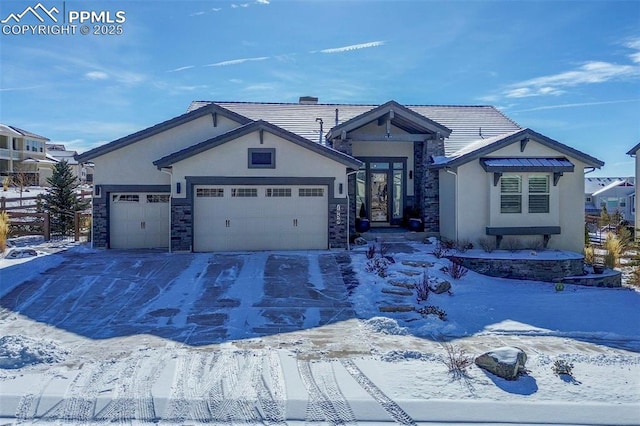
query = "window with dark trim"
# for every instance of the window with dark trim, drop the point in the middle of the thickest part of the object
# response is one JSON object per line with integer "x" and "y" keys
{"x": 157, "y": 198}
{"x": 262, "y": 158}
{"x": 278, "y": 192}
{"x": 209, "y": 192}
{"x": 244, "y": 192}
{"x": 311, "y": 192}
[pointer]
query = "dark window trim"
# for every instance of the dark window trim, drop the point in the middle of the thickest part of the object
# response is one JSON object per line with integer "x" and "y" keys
{"x": 271, "y": 165}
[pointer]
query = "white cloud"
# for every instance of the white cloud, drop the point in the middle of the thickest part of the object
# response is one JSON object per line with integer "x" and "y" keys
{"x": 182, "y": 68}
{"x": 574, "y": 105}
{"x": 237, "y": 61}
{"x": 198, "y": 13}
{"x": 635, "y": 57}
{"x": 243, "y": 5}
{"x": 97, "y": 75}
{"x": 216, "y": 9}
{"x": 262, "y": 1}
{"x": 353, "y": 47}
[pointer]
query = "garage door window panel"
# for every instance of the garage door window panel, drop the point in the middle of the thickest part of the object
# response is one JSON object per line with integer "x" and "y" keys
{"x": 126, "y": 198}
{"x": 311, "y": 192}
{"x": 278, "y": 192}
{"x": 244, "y": 192}
{"x": 210, "y": 192}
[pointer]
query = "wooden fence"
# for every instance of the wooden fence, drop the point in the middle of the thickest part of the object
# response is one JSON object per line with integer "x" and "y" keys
{"x": 25, "y": 220}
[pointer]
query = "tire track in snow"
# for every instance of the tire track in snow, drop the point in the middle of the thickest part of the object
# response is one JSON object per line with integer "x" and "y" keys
{"x": 393, "y": 409}
{"x": 326, "y": 402}
{"x": 271, "y": 402}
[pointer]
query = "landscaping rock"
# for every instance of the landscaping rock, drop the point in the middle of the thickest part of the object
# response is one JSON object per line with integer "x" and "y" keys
{"x": 441, "y": 287}
{"x": 402, "y": 284}
{"x": 410, "y": 273}
{"x": 417, "y": 263}
{"x": 21, "y": 253}
{"x": 397, "y": 291}
{"x": 506, "y": 362}
{"x": 360, "y": 241}
{"x": 396, "y": 308}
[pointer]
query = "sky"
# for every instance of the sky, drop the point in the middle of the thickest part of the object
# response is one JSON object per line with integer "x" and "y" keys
{"x": 567, "y": 69}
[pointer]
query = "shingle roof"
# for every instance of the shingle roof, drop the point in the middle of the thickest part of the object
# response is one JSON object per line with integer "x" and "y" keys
{"x": 466, "y": 122}
{"x": 633, "y": 150}
{"x": 28, "y": 134}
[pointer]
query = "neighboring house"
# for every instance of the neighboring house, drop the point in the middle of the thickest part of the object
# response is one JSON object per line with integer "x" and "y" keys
{"x": 23, "y": 156}
{"x": 634, "y": 153}
{"x": 616, "y": 193}
{"x": 255, "y": 176}
{"x": 84, "y": 172}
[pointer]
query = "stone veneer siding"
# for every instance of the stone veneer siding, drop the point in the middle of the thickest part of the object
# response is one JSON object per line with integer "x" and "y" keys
{"x": 338, "y": 224}
{"x": 608, "y": 279}
{"x": 181, "y": 225}
{"x": 100, "y": 222}
{"x": 551, "y": 270}
{"x": 430, "y": 189}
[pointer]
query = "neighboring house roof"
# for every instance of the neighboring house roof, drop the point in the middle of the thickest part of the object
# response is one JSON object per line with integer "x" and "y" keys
{"x": 68, "y": 156}
{"x": 28, "y": 134}
{"x": 615, "y": 184}
{"x": 7, "y": 130}
{"x": 594, "y": 184}
{"x": 467, "y": 123}
{"x": 484, "y": 147}
{"x": 633, "y": 150}
{"x": 250, "y": 128}
{"x": 56, "y": 147}
{"x": 159, "y": 128}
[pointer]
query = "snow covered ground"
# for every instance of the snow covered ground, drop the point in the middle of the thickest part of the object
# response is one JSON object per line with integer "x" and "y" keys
{"x": 94, "y": 337}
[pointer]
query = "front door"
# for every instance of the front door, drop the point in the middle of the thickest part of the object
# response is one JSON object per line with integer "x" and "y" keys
{"x": 379, "y": 196}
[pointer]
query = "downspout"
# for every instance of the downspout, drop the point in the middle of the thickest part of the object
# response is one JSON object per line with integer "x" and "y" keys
{"x": 349, "y": 209}
{"x": 455, "y": 198}
{"x": 169, "y": 172}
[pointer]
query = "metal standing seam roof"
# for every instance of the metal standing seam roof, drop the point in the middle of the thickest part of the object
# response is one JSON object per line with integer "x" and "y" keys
{"x": 517, "y": 163}
{"x": 594, "y": 184}
{"x": 468, "y": 123}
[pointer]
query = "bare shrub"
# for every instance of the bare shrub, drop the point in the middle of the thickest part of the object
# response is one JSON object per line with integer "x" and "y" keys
{"x": 440, "y": 251}
{"x": 422, "y": 287}
{"x": 487, "y": 244}
{"x": 448, "y": 244}
{"x": 455, "y": 269}
{"x": 371, "y": 251}
{"x": 561, "y": 366}
{"x": 512, "y": 244}
{"x": 383, "y": 248}
{"x": 537, "y": 245}
{"x": 457, "y": 361}
{"x": 378, "y": 265}
{"x": 464, "y": 245}
{"x": 433, "y": 310}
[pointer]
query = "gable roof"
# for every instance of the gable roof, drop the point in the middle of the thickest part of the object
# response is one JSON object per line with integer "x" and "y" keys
{"x": 13, "y": 130}
{"x": 633, "y": 150}
{"x": 251, "y": 127}
{"x": 467, "y": 122}
{"x": 594, "y": 184}
{"x": 615, "y": 184}
{"x": 400, "y": 116}
{"x": 487, "y": 146}
{"x": 159, "y": 128}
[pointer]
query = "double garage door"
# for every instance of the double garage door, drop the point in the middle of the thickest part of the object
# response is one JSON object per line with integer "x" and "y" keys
{"x": 277, "y": 217}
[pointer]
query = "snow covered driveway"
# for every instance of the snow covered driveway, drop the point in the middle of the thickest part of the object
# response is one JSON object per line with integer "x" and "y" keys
{"x": 195, "y": 299}
{"x": 97, "y": 337}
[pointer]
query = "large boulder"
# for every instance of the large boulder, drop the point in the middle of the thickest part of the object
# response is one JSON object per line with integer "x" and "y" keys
{"x": 441, "y": 287}
{"x": 506, "y": 362}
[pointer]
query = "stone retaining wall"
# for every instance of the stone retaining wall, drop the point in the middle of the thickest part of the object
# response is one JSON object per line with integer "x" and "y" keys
{"x": 551, "y": 270}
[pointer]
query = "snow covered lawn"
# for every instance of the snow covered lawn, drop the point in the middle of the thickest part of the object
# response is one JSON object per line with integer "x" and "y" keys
{"x": 272, "y": 337}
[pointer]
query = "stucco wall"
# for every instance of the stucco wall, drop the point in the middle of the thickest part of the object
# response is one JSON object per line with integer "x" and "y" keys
{"x": 231, "y": 159}
{"x": 133, "y": 164}
{"x": 447, "y": 205}
{"x": 480, "y": 201}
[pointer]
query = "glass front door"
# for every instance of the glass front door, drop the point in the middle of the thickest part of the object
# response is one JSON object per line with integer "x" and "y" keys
{"x": 379, "y": 196}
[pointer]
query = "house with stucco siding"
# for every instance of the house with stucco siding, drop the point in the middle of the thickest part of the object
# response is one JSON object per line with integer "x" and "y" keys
{"x": 634, "y": 153}
{"x": 265, "y": 176}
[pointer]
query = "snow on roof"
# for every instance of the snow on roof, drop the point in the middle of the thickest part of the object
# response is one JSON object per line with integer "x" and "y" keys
{"x": 613, "y": 185}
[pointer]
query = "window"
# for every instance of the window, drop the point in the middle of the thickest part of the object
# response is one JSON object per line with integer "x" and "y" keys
{"x": 538, "y": 194}
{"x": 126, "y": 198}
{"x": 157, "y": 198}
{"x": 244, "y": 192}
{"x": 262, "y": 158}
{"x": 511, "y": 194}
{"x": 588, "y": 199}
{"x": 210, "y": 192}
{"x": 278, "y": 192}
{"x": 311, "y": 192}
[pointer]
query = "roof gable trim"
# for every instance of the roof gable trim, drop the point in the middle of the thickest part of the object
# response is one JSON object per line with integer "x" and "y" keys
{"x": 259, "y": 126}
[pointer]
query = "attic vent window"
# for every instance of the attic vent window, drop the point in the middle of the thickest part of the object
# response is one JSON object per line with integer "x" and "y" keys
{"x": 308, "y": 100}
{"x": 262, "y": 158}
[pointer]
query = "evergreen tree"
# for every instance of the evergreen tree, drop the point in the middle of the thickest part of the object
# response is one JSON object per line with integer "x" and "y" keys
{"x": 61, "y": 200}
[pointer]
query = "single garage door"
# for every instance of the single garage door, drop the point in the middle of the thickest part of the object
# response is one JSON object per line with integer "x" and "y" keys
{"x": 139, "y": 220}
{"x": 260, "y": 218}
